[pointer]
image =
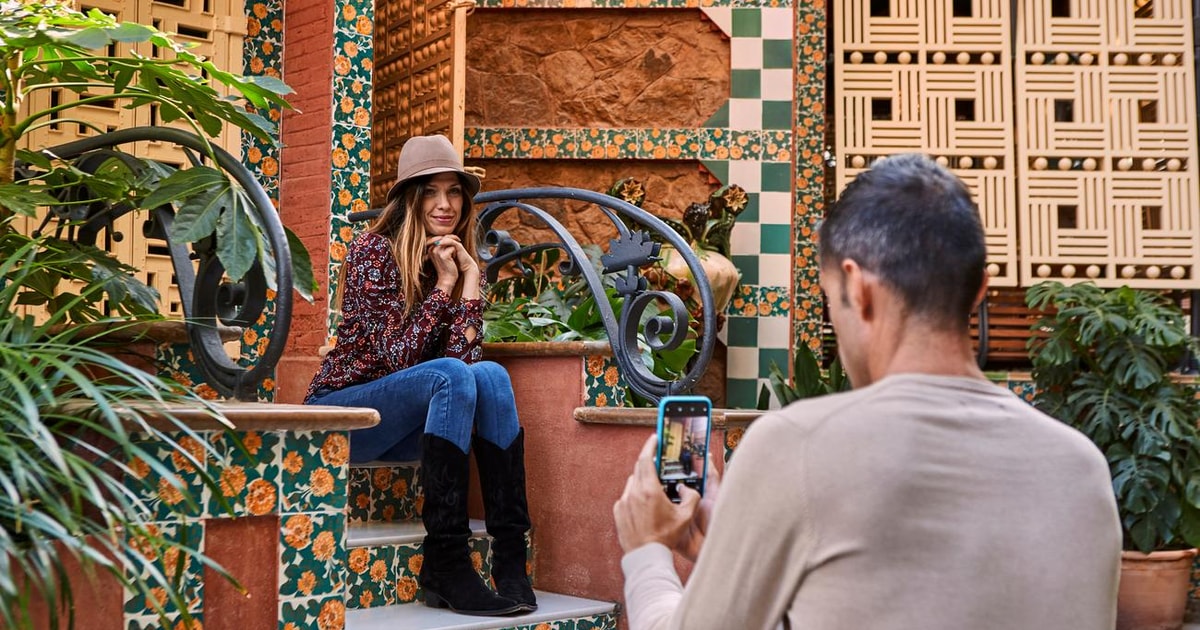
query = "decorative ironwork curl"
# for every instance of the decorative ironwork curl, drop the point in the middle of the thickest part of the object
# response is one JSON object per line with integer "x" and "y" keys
{"x": 208, "y": 299}
{"x": 627, "y": 254}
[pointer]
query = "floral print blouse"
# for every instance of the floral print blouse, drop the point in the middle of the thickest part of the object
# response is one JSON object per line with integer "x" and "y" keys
{"x": 374, "y": 338}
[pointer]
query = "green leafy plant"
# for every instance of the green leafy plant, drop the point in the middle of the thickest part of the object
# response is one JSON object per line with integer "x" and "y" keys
{"x": 541, "y": 305}
{"x": 808, "y": 380}
{"x": 73, "y": 419}
{"x": 1102, "y": 363}
{"x": 46, "y": 45}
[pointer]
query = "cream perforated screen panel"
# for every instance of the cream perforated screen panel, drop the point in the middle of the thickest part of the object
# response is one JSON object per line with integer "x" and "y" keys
{"x": 217, "y": 28}
{"x": 930, "y": 76}
{"x": 1108, "y": 116}
{"x": 1085, "y": 170}
{"x": 420, "y": 82}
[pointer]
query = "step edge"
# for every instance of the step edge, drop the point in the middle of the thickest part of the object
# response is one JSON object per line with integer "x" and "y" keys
{"x": 588, "y": 608}
{"x": 359, "y": 535}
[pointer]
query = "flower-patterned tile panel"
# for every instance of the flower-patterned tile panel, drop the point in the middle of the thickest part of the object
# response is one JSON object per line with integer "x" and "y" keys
{"x": 809, "y": 176}
{"x": 386, "y": 575}
{"x": 246, "y": 466}
{"x": 175, "y": 622}
{"x": 168, "y": 480}
{"x": 390, "y": 492}
{"x": 314, "y": 613}
{"x": 168, "y": 560}
{"x": 627, "y": 144}
{"x": 314, "y": 471}
{"x": 313, "y": 557}
{"x": 603, "y": 385}
{"x": 607, "y": 621}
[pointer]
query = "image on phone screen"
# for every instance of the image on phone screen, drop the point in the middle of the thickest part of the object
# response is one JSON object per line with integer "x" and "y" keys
{"x": 683, "y": 445}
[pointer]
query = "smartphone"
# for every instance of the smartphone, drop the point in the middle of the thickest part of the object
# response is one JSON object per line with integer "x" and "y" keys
{"x": 684, "y": 426}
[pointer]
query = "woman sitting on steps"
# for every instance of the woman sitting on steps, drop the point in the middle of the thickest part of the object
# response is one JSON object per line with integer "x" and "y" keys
{"x": 409, "y": 346}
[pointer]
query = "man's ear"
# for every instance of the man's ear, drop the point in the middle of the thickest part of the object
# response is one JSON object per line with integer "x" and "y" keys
{"x": 857, "y": 289}
{"x": 983, "y": 287}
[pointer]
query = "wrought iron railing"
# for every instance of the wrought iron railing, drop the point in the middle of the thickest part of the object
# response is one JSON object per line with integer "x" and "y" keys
{"x": 208, "y": 299}
{"x": 627, "y": 255}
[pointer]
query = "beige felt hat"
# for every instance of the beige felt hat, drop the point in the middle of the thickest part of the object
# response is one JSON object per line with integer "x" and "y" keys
{"x": 429, "y": 155}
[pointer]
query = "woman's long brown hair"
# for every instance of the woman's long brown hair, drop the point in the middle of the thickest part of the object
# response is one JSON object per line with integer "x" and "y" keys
{"x": 402, "y": 224}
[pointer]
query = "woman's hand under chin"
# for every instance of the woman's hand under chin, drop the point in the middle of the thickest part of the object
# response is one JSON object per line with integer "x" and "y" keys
{"x": 443, "y": 256}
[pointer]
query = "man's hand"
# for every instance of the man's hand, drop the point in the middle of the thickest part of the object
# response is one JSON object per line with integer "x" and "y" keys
{"x": 693, "y": 537}
{"x": 644, "y": 514}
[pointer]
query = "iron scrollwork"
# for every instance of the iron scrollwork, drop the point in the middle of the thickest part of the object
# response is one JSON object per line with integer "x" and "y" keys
{"x": 208, "y": 298}
{"x": 627, "y": 254}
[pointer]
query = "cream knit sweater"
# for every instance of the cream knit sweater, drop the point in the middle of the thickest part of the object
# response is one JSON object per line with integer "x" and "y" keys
{"x": 919, "y": 503}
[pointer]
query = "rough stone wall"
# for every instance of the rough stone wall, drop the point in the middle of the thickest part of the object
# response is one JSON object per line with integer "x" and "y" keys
{"x": 670, "y": 187}
{"x": 594, "y": 68}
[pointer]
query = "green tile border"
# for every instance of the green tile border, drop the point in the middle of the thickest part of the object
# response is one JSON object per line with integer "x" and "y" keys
{"x": 809, "y": 171}
{"x": 706, "y": 144}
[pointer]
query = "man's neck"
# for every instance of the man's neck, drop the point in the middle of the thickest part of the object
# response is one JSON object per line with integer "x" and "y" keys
{"x": 919, "y": 349}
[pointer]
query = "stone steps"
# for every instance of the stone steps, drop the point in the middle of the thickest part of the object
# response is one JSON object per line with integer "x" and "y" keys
{"x": 384, "y": 541}
{"x": 384, "y": 559}
{"x": 555, "y": 612}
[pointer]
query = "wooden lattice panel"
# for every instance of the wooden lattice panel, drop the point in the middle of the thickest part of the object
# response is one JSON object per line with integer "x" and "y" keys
{"x": 1107, "y": 112}
{"x": 419, "y": 82}
{"x": 930, "y": 76}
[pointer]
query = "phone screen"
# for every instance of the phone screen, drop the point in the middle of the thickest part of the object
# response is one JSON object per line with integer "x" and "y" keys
{"x": 683, "y": 434}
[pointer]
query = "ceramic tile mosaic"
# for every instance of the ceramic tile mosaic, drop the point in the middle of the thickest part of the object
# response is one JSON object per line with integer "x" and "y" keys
{"x": 390, "y": 492}
{"x": 247, "y": 469}
{"x": 313, "y": 613}
{"x": 350, "y": 144}
{"x": 603, "y": 385}
{"x": 313, "y": 557}
{"x": 314, "y": 471}
{"x": 386, "y": 575}
{"x": 809, "y": 174}
{"x": 707, "y": 143}
{"x": 167, "y": 481}
{"x": 168, "y": 561}
{"x": 606, "y": 621}
{"x": 262, "y": 55}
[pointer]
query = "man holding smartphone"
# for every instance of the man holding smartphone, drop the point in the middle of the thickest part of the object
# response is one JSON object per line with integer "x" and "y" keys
{"x": 926, "y": 498}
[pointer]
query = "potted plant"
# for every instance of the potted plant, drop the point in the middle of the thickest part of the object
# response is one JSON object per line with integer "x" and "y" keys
{"x": 1102, "y": 362}
{"x": 71, "y": 426}
{"x": 808, "y": 380}
{"x": 706, "y": 227}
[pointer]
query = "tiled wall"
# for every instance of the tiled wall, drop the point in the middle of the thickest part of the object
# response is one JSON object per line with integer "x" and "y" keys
{"x": 301, "y": 477}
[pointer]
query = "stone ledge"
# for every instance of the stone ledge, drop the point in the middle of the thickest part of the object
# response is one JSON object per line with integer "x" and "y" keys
{"x": 248, "y": 416}
{"x": 169, "y": 331}
{"x": 648, "y": 417}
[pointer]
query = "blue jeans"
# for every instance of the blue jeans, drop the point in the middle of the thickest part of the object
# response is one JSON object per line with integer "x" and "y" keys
{"x": 445, "y": 397}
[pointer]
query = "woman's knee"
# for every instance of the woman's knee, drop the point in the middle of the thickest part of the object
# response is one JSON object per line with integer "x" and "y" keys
{"x": 489, "y": 375}
{"x": 453, "y": 372}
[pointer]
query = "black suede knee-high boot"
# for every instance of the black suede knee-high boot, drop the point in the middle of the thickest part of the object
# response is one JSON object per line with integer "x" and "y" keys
{"x": 502, "y": 478}
{"x": 449, "y": 579}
